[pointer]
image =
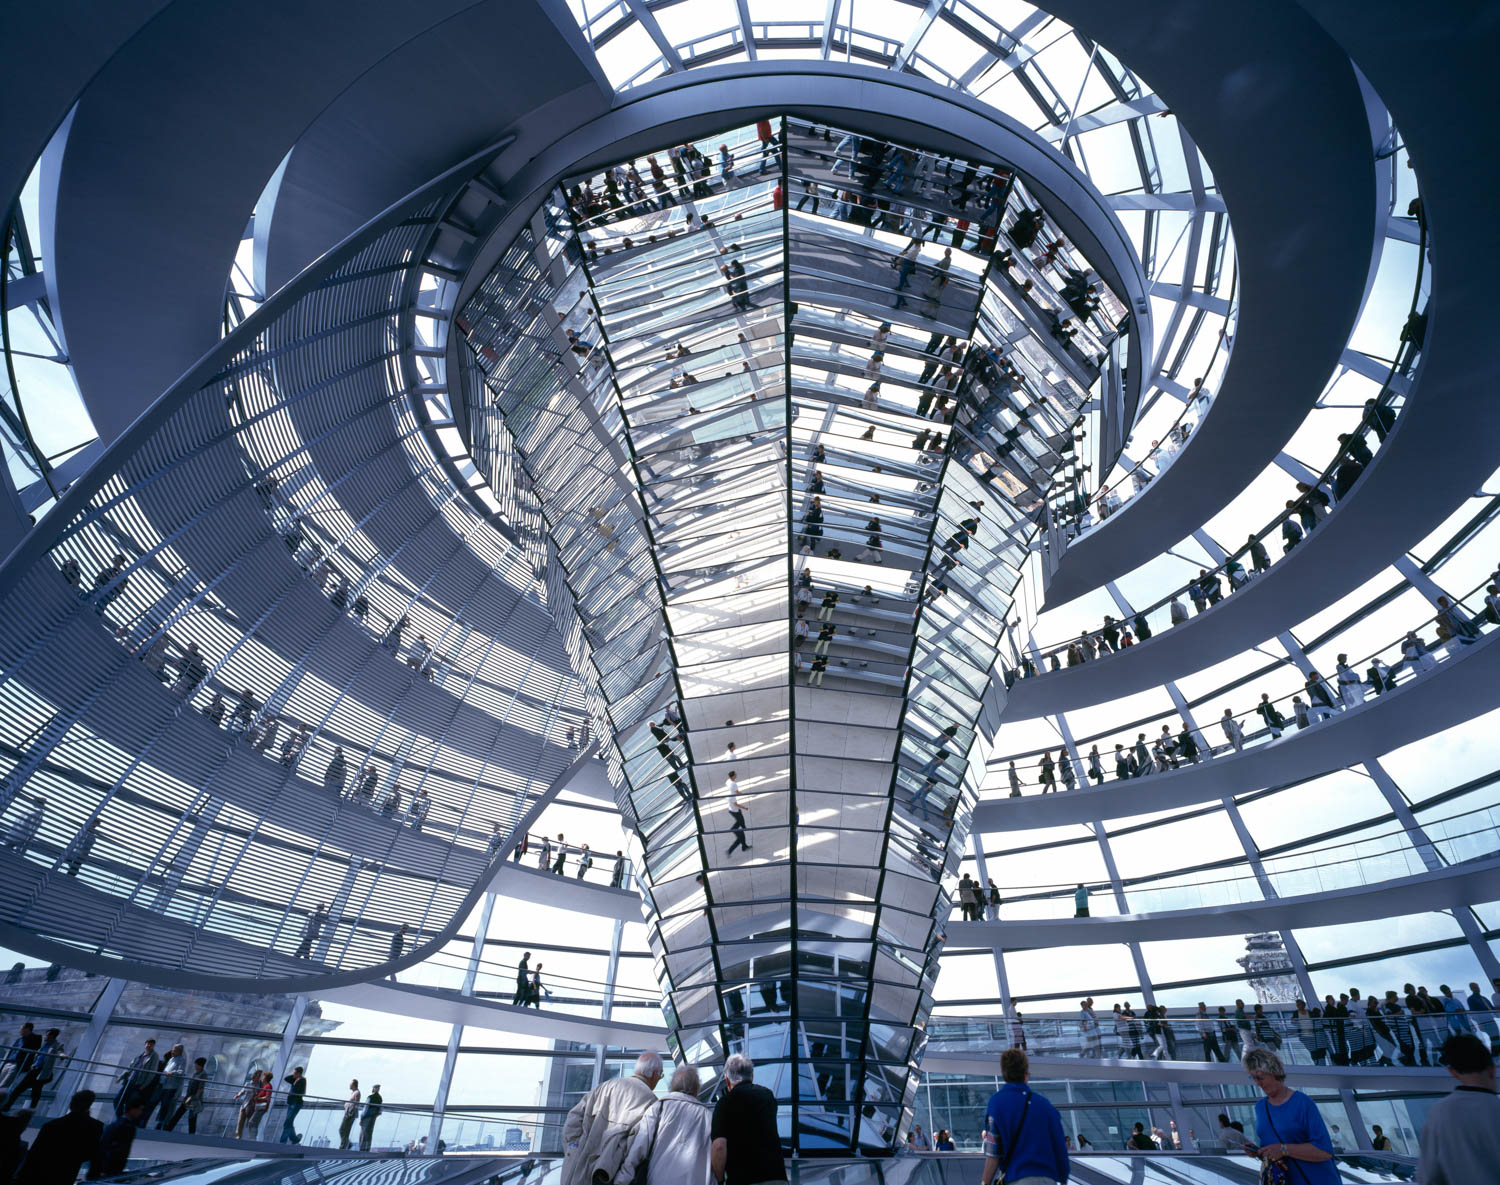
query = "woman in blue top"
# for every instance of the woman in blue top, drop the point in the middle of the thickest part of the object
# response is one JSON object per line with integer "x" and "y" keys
{"x": 1288, "y": 1126}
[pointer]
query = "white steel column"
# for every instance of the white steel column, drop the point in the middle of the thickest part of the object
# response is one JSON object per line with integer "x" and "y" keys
{"x": 1432, "y": 860}
{"x": 1182, "y": 1115}
{"x": 1252, "y": 853}
{"x": 611, "y": 977}
{"x": 1420, "y": 581}
{"x": 1357, "y": 1129}
{"x": 456, "y": 1033}
{"x": 283, "y": 1057}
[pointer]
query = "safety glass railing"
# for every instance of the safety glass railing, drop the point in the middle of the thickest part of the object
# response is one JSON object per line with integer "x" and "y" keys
{"x": 163, "y": 1091}
{"x": 1337, "y": 1033}
{"x": 1369, "y": 861}
{"x": 1137, "y": 752}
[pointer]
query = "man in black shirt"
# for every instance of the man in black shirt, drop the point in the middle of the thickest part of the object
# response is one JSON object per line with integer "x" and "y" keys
{"x": 296, "y": 1094}
{"x": 523, "y": 979}
{"x": 62, "y": 1145}
{"x": 745, "y": 1140}
{"x": 116, "y": 1139}
{"x": 373, "y": 1107}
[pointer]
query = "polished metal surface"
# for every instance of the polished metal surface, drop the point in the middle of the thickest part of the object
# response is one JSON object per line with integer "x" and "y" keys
{"x": 692, "y": 364}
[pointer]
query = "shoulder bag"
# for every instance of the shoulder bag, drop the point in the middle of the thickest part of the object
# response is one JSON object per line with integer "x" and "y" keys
{"x": 1010, "y": 1149}
{"x": 643, "y": 1170}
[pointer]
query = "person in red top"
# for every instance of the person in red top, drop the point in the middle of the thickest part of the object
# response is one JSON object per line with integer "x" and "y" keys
{"x": 257, "y": 1101}
{"x": 767, "y": 144}
{"x": 776, "y": 198}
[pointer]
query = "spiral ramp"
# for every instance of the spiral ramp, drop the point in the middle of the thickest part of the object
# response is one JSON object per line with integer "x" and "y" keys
{"x": 381, "y": 163}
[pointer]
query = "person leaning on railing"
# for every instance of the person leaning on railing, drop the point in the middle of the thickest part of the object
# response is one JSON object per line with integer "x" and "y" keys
{"x": 1356, "y": 1029}
{"x": 35, "y": 1066}
{"x": 255, "y": 1100}
{"x": 351, "y": 1114}
{"x": 1455, "y": 628}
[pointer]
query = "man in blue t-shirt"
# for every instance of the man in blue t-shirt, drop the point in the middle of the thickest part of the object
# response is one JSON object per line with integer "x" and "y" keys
{"x": 1023, "y": 1135}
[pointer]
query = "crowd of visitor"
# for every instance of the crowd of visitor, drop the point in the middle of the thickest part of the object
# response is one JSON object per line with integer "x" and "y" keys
{"x": 158, "y": 1089}
{"x": 877, "y": 165}
{"x": 1311, "y": 504}
{"x": 956, "y": 205}
{"x": 620, "y": 192}
{"x": 164, "y": 1087}
{"x": 1023, "y": 1139}
{"x": 1322, "y": 698}
{"x": 622, "y": 1132}
{"x": 553, "y": 855}
{"x": 922, "y": 195}
{"x": 246, "y": 717}
{"x": 1312, "y": 499}
{"x": 1353, "y": 1029}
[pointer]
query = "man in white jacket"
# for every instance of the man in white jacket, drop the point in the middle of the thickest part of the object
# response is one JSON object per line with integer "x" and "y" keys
{"x": 596, "y": 1134}
{"x": 671, "y": 1139}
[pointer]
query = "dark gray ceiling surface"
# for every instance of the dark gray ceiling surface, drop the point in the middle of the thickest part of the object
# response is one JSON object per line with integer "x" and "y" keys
{"x": 174, "y": 140}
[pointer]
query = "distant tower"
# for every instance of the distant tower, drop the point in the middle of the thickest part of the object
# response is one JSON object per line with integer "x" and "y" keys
{"x": 1269, "y": 969}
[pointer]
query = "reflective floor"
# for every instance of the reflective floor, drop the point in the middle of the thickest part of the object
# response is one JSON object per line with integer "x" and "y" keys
{"x": 933, "y": 1169}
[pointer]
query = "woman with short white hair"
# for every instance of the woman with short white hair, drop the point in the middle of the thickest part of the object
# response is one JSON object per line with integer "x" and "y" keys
{"x": 1288, "y": 1126}
{"x": 671, "y": 1139}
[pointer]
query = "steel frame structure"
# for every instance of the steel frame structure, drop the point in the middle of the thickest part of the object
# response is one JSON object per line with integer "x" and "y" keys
{"x": 337, "y": 391}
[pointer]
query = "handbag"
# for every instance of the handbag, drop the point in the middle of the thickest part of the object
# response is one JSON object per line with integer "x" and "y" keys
{"x": 1277, "y": 1172}
{"x": 1010, "y": 1149}
{"x": 1273, "y": 1172}
{"x": 643, "y": 1170}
